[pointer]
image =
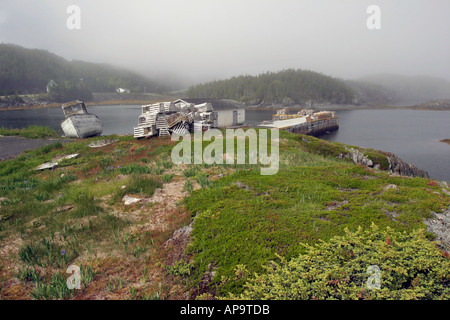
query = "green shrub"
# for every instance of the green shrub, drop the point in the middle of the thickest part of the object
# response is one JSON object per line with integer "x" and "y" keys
{"x": 180, "y": 268}
{"x": 411, "y": 267}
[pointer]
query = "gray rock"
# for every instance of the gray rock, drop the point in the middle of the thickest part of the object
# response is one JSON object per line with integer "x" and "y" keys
{"x": 47, "y": 166}
{"x": 242, "y": 186}
{"x": 130, "y": 200}
{"x": 102, "y": 143}
{"x": 390, "y": 186}
{"x": 358, "y": 157}
{"x": 440, "y": 226}
{"x": 398, "y": 166}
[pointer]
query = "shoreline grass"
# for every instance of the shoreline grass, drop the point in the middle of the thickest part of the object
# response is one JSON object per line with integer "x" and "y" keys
{"x": 31, "y": 132}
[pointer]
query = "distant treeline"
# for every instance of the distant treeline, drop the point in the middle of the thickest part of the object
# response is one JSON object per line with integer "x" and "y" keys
{"x": 394, "y": 88}
{"x": 286, "y": 87}
{"x": 28, "y": 71}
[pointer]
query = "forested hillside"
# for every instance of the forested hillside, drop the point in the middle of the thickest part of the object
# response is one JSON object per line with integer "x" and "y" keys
{"x": 27, "y": 71}
{"x": 286, "y": 87}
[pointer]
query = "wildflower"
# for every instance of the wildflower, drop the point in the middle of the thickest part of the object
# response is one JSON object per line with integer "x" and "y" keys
{"x": 63, "y": 252}
{"x": 26, "y": 181}
{"x": 60, "y": 195}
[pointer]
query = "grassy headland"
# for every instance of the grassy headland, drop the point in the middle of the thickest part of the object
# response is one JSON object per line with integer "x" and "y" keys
{"x": 199, "y": 230}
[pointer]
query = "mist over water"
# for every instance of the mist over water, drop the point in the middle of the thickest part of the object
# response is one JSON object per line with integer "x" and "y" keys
{"x": 200, "y": 40}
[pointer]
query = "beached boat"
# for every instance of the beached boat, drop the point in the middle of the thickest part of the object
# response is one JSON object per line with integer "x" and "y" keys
{"x": 79, "y": 123}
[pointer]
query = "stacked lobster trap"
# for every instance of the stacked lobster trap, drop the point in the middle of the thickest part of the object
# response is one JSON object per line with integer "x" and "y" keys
{"x": 181, "y": 117}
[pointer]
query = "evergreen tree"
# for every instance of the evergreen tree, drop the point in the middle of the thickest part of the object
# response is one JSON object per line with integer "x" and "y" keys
{"x": 297, "y": 86}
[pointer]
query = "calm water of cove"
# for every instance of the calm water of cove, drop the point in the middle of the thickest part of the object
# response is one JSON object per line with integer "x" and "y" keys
{"x": 116, "y": 119}
{"x": 411, "y": 134}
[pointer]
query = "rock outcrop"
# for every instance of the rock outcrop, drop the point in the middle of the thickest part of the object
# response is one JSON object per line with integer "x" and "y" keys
{"x": 398, "y": 166}
{"x": 440, "y": 225}
{"x": 358, "y": 157}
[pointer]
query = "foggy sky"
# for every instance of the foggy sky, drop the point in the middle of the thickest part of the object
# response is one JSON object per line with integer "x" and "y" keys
{"x": 214, "y": 39}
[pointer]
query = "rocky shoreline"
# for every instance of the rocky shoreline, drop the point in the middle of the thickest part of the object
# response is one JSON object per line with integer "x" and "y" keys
{"x": 25, "y": 102}
{"x": 400, "y": 167}
{"x": 105, "y": 98}
{"x": 396, "y": 165}
{"x": 433, "y": 105}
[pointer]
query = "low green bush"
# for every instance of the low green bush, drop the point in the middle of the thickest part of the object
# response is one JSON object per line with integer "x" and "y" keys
{"x": 410, "y": 267}
{"x": 180, "y": 268}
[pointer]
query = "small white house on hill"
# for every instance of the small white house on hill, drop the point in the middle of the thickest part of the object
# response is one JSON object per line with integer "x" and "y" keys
{"x": 122, "y": 90}
{"x": 50, "y": 85}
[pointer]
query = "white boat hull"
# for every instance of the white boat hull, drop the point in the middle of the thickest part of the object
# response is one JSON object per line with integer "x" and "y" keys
{"x": 82, "y": 126}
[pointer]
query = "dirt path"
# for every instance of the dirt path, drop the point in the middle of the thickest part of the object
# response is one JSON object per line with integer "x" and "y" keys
{"x": 13, "y": 146}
